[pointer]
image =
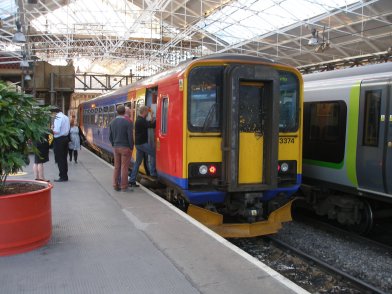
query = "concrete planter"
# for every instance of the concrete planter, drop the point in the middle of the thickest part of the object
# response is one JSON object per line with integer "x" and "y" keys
{"x": 25, "y": 219}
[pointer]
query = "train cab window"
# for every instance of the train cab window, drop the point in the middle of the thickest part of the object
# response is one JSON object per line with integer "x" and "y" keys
{"x": 288, "y": 103}
{"x": 204, "y": 92}
{"x": 164, "y": 115}
{"x": 325, "y": 130}
{"x": 371, "y": 126}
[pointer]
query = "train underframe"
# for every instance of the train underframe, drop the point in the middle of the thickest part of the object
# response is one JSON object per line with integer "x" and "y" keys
{"x": 355, "y": 211}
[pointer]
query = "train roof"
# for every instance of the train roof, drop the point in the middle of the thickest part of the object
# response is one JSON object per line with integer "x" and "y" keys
{"x": 373, "y": 69}
{"x": 178, "y": 70}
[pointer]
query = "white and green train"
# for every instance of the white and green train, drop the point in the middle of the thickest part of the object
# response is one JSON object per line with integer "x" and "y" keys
{"x": 347, "y": 148}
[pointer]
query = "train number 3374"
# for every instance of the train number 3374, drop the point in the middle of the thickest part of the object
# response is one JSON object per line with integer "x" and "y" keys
{"x": 286, "y": 140}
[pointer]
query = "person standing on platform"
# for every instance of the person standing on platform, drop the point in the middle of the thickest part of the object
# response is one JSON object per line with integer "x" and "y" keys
{"x": 120, "y": 136}
{"x": 60, "y": 130}
{"x": 76, "y": 137}
{"x": 40, "y": 158}
{"x": 142, "y": 147}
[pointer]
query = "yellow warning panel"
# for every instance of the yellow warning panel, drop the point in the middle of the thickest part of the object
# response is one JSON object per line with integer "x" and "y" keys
{"x": 214, "y": 221}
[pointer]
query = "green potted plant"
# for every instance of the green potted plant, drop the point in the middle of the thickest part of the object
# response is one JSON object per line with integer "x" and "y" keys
{"x": 25, "y": 211}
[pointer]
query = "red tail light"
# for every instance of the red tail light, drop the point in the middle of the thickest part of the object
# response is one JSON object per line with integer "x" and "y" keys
{"x": 212, "y": 169}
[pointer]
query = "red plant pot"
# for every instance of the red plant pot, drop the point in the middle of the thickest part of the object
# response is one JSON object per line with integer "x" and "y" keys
{"x": 25, "y": 219}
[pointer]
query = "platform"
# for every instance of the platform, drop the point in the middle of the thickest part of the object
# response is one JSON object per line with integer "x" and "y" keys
{"x": 129, "y": 242}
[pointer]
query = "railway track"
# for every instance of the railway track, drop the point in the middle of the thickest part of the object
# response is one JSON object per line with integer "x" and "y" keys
{"x": 374, "y": 239}
{"x": 361, "y": 285}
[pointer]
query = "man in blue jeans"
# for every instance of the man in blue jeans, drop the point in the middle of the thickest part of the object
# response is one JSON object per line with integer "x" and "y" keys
{"x": 142, "y": 147}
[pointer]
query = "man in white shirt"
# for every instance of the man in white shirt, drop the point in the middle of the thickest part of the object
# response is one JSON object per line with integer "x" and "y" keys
{"x": 60, "y": 130}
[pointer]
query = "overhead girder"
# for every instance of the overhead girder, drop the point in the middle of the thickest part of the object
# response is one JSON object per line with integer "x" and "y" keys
{"x": 182, "y": 36}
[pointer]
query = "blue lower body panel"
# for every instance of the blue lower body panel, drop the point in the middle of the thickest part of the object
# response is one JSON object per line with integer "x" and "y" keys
{"x": 214, "y": 196}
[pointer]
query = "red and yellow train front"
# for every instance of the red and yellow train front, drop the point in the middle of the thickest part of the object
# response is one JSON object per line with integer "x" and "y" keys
{"x": 241, "y": 142}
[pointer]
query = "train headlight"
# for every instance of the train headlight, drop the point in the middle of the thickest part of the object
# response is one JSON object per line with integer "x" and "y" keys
{"x": 287, "y": 172}
{"x": 284, "y": 167}
{"x": 203, "y": 169}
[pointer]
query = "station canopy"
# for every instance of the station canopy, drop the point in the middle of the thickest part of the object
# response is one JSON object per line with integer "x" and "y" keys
{"x": 147, "y": 36}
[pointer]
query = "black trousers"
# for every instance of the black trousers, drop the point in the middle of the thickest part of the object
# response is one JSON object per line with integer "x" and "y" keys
{"x": 60, "y": 148}
{"x": 75, "y": 153}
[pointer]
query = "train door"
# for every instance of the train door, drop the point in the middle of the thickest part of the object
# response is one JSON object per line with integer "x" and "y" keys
{"x": 374, "y": 158}
{"x": 151, "y": 103}
{"x": 388, "y": 156}
{"x": 95, "y": 126}
{"x": 250, "y": 128}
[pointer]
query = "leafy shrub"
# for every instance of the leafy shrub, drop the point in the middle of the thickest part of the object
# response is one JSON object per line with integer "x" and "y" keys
{"x": 21, "y": 121}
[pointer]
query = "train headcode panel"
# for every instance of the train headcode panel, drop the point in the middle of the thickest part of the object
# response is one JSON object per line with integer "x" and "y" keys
{"x": 228, "y": 138}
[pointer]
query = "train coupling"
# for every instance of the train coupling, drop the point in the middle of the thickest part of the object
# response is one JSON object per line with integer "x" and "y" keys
{"x": 214, "y": 221}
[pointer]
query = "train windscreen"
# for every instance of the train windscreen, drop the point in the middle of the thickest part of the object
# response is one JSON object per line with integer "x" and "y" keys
{"x": 205, "y": 99}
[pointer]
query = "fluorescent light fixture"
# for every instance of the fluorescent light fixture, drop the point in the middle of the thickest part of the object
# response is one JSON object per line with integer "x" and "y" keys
{"x": 19, "y": 37}
{"x": 313, "y": 41}
{"x": 27, "y": 77}
{"x": 24, "y": 63}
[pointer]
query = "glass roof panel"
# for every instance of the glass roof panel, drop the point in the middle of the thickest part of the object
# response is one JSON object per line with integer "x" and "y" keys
{"x": 246, "y": 19}
{"x": 7, "y": 8}
{"x": 101, "y": 18}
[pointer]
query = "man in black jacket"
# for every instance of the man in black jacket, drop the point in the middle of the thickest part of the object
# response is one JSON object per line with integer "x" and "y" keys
{"x": 120, "y": 136}
{"x": 142, "y": 146}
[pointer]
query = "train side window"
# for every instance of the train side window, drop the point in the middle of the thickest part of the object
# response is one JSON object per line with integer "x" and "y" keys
{"x": 371, "y": 126}
{"x": 105, "y": 119}
{"x": 205, "y": 99}
{"x": 100, "y": 120}
{"x": 164, "y": 115}
{"x": 325, "y": 131}
{"x": 112, "y": 112}
{"x": 288, "y": 102}
{"x": 112, "y": 115}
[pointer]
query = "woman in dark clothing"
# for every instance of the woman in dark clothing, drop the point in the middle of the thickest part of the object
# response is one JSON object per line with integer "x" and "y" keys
{"x": 41, "y": 158}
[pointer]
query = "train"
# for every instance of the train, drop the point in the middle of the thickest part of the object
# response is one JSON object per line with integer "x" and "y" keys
{"x": 228, "y": 138}
{"x": 347, "y": 145}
